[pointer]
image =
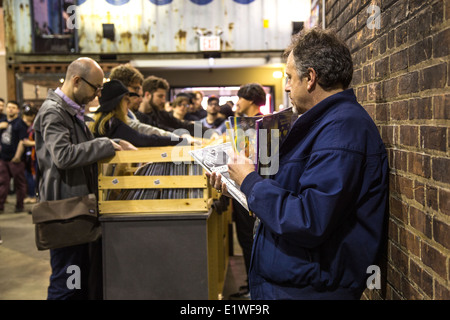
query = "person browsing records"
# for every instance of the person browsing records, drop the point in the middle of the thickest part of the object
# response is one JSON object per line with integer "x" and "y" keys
{"x": 323, "y": 212}
{"x": 110, "y": 119}
{"x": 66, "y": 153}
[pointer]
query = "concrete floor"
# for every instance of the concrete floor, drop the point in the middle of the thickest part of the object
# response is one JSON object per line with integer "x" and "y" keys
{"x": 25, "y": 271}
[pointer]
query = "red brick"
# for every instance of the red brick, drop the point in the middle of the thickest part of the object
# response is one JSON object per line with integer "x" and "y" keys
{"x": 374, "y": 91}
{"x": 393, "y": 231}
{"x": 433, "y": 138}
{"x": 447, "y": 10}
{"x": 409, "y": 135}
{"x": 420, "y": 108}
{"x": 399, "y": 61}
{"x": 441, "y": 107}
{"x": 421, "y": 278}
{"x": 388, "y": 135}
{"x": 433, "y": 77}
{"x": 382, "y": 44}
{"x": 410, "y": 242}
{"x": 390, "y": 153}
{"x": 368, "y": 73}
{"x": 409, "y": 292}
{"x": 382, "y": 68}
{"x": 401, "y": 35}
{"x": 437, "y": 14}
{"x": 448, "y": 73}
{"x": 381, "y": 110}
{"x": 414, "y": 5}
{"x": 399, "y": 209}
{"x": 440, "y": 169}
{"x": 442, "y": 292}
{"x": 400, "y": 160}
{"x": 419, "y": 52}
{"x": 370, "y": 108}
{"x": 419, "y": 192}
{"x": 394, "y": 277}
{"x": 405, "y": 186}
{"x": 434, "y": 259}
{"x": 444, "y": 201}
{"x": 361, "y": 93}
{"x": 399, "y": 110}
{"x": 391, "y": 38}
{"x": 398, "y": 12}
{"x": 419, "y": 164}
{"x": 357, "y": 77}
{"x": 419, "y": 26}
{"x": 441, "y": 44}
{"x": 432, "y": 197}
{"x": 420, "y": 221}
{"x": 400, "y": 259}
{"x": 441, "y": 232}
{"x": 408, "y": 83}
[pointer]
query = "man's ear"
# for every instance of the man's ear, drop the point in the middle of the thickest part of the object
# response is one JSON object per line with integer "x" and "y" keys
{"x": 76, "y": 81}
{"x": 147, "y": 95}
{"x": 312, "y": 79}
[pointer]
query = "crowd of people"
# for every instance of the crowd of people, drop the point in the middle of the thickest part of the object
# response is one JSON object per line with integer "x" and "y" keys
{"x": 130, "y": 108}
{"x": 132, "y": 112}
{"x": 17, "y": 153}
{"x": 320, "y": 219}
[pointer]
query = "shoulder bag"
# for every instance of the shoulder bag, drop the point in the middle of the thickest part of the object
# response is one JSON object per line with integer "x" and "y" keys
{"x": 66, "y": 222}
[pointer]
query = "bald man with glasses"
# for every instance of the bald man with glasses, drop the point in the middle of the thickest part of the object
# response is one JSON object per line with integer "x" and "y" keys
{"x": 67, "y": 154}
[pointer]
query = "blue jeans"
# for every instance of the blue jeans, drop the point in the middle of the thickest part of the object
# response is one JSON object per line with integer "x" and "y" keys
{"x": 64, "y": 284}
{"x": 31, "y": 184}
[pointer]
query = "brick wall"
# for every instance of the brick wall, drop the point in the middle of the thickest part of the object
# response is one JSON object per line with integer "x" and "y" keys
{"x": 402, "y": 75}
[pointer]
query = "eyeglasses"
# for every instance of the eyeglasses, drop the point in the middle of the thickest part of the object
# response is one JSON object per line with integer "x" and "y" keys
{"x": 93, "y": 87}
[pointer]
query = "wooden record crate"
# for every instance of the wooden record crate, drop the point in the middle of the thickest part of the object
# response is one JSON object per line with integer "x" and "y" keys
{"x": 125, "y": 163}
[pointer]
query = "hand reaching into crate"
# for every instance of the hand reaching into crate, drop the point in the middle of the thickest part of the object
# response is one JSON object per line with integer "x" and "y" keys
{"x": 123, "y": 145}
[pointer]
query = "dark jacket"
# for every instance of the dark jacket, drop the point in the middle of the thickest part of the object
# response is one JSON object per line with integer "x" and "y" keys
{"x": 165, "y": 120}
{"x": 10, "y": 138}
{"x": 66, "y": 151}
{"x": 196, "y": 116}
{"x": 118, "y": 129}
{"x": 322, "y": 214}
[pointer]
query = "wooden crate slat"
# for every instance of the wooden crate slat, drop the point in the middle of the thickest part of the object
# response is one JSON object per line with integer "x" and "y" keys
{"x": 151, "y": 182}
{"x": 153, "y": 206}
{"x": 154, "y": 154}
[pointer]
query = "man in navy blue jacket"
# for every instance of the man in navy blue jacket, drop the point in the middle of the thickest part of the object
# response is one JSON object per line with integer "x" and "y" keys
{"x": 322, "y": 214}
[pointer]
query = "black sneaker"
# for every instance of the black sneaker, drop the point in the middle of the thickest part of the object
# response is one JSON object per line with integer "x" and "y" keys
{"x": 19, "y": 210}
{"x": 242, "y": 294}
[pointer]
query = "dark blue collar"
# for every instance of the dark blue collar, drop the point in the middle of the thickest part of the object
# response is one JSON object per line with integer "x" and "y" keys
{"x": 303, "y": 124}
